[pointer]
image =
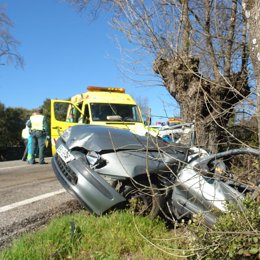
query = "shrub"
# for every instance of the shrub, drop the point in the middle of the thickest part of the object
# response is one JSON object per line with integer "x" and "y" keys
{"x": 236, "y": 234}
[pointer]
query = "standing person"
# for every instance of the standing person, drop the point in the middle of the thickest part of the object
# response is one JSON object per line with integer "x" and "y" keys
{"x": 25, "y": 137}
{"x": 38, "y": 129}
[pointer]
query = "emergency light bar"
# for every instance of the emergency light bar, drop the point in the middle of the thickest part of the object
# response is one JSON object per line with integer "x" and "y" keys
{"x": 93, "y": 88}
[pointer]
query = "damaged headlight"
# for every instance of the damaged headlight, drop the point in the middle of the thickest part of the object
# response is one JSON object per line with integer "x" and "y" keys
{"x": 93, "y": 158}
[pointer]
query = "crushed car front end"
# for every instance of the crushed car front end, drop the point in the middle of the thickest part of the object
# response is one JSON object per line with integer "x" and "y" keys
{"x": 73, "y": 172}
{"x": 91, "y": 159}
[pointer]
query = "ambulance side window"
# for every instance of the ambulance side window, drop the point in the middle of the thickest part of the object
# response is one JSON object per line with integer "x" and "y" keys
{"x": 74, "y": 114}
{"x": 70, "y": 117}
{"x": 86, "y": 114}
{"x": 77, "y": 114}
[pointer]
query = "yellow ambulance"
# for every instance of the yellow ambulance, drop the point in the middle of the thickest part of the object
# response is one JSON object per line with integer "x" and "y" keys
{"x": 97, "y": 106}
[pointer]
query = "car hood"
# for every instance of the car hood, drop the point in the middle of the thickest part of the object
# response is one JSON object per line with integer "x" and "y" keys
{"x": 102, "y": 138}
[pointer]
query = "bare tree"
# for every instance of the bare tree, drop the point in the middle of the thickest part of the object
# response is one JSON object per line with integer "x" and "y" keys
{"x": 252, "y": 13}
{"x": 199, "y": 50}
{"x": 215, "y": 38}
{"x": 8, "y": 45}
{"x": 143, "y": 104}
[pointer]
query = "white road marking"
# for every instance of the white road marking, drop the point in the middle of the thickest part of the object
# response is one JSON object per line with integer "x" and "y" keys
{"x": 31, "y": 200}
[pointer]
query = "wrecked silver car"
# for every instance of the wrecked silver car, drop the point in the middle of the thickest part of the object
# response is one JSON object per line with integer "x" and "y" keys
{"x": 178, "y": 133}
{"x": 107, "y": 168}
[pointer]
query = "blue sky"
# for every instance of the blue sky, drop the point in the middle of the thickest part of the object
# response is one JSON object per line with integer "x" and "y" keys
{"x": 63, "y": 54}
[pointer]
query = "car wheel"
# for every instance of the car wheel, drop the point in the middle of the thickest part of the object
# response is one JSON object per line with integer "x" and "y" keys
{"x": 143, "y": 199}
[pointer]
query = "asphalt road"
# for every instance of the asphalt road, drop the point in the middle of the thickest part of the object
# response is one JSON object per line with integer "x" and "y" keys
{"x": 30, "y": 196}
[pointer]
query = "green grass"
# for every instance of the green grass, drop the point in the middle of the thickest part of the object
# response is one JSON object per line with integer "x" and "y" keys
{"x": 119, "y": 235}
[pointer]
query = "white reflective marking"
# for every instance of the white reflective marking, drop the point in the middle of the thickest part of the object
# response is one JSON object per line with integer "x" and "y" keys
{"x": 31, "y": 200}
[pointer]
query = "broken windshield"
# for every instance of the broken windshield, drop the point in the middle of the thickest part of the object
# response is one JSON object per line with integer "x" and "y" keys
{"x": 114, "y": 112}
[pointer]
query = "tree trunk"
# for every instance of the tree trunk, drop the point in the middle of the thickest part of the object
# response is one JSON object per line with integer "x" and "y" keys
{"x": 252, "y": 13}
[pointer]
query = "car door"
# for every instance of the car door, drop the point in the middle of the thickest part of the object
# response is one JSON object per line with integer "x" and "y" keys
{"x": 64, "y": 114}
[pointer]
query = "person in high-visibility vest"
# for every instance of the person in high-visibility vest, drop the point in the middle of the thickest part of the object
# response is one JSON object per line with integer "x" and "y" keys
{"x": 39, "y": 133}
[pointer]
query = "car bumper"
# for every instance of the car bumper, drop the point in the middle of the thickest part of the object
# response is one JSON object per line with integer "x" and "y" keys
{"x": 90, "y": 188}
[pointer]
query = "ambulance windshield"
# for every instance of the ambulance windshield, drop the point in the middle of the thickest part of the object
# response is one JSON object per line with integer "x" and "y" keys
{"x": 114, "y": 112}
